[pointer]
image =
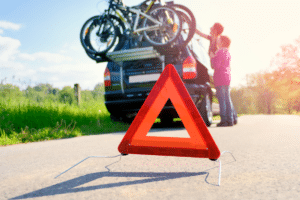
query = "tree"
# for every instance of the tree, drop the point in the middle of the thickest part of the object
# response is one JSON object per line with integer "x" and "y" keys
{"x": 42, "y": 92}
{"x": 98, "y": 91}
{"x": 66, "y": 95}
{"x": 244, "y": 100}
{"x": 10, "y": 91}
{"x": 262, "y": 85}
{"x": 44, "y": 87}
{"x": 287, "y": 76}
{"x": 86, "y": 95}
{"x": 275, "y": 91}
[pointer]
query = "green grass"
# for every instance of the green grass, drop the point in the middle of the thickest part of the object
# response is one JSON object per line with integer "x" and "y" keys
{"x": 23, "y": 121}
{"x": 216, "y": 117}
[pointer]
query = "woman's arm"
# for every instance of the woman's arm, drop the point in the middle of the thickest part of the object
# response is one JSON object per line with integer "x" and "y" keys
{"x": 203, "y": 35}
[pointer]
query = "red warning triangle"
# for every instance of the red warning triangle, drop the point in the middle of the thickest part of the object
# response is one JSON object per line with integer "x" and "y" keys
{"x": 200, "y": 144}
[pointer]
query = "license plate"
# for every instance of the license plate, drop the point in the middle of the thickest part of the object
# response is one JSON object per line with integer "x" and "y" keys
{"x": 143, "y": 78}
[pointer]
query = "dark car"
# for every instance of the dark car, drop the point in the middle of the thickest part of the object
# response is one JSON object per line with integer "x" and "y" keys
{"x": 134, "y": 71}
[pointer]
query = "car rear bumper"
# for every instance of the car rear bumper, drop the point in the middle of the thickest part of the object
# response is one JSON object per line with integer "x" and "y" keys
{"x": 131, "y": 103}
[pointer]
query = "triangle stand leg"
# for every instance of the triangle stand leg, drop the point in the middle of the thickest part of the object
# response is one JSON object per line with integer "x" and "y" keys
{"x": 120, "y": 155}
{"x": 220, "y": 165}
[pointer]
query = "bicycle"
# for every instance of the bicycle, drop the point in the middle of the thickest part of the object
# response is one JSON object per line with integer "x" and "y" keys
{"x": 119, "y": 41}
{"x": 188, "y": 24}
{"x": 161, "y": 27}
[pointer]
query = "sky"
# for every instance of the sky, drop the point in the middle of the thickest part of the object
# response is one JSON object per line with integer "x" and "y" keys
{"x": 39, "y": 40}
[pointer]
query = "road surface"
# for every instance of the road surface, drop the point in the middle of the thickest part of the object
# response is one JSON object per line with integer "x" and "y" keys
{"x": 266, "y": 148}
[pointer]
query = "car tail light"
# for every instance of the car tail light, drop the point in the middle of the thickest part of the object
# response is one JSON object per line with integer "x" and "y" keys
{"x": 189, "y": 68}
{"x": 107, "y": 81}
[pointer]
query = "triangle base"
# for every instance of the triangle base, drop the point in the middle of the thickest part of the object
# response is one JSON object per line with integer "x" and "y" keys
{"x": 164, "y": 151}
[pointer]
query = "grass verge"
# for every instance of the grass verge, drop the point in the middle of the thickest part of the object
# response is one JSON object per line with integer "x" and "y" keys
{"x": 24, "y": 121}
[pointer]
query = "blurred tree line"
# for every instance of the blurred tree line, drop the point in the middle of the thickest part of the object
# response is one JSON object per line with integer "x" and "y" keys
{"x": 46, "y": 92}
{"x": 273, "y": 92}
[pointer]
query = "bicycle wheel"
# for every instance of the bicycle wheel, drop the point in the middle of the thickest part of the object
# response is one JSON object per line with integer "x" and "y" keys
{"x": 188, "y": 23}
{"x": 168, "y": 32}
{"x": 120, "y": 40}
{"x": 98, "y": 35}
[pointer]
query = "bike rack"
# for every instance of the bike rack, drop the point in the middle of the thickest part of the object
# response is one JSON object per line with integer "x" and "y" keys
{"x": 121, "y": 56}
{"x": 134, "y": 54}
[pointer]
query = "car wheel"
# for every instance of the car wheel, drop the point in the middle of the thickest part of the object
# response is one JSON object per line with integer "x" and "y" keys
{"x": 205, "y": 109}
{"x": 127, "y": 120}
{"x": 121, "y": 118}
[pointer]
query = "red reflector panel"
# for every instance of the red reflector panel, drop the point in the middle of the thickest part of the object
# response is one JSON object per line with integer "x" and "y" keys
{"x": 189, "y": 68}
{"x": 107, "y": 81}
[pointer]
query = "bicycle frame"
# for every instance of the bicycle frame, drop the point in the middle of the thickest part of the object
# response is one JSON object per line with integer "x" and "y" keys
{"x": 151, "y": 28}
{"x": 138, "y": 12}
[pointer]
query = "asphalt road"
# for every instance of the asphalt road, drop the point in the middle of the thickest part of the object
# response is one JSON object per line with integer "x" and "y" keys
{"x": 266, "y": 148}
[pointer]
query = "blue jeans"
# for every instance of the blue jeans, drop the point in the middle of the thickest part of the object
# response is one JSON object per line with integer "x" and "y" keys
{"x": 227, "y": 111}
{"x": 234, "y": 113}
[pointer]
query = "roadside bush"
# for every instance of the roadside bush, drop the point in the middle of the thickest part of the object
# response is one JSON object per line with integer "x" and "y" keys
{"x": 10, "y": 91}
{"x": 66, "y": 95}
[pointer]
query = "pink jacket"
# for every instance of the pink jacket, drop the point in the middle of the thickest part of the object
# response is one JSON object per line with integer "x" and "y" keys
{"x": 221, "y": 65}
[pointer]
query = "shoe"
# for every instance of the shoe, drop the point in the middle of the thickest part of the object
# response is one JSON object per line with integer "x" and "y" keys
{"x": 234, "y": 122}
{"x": 230, "y": 123}
{"x": 224, "y": 124}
